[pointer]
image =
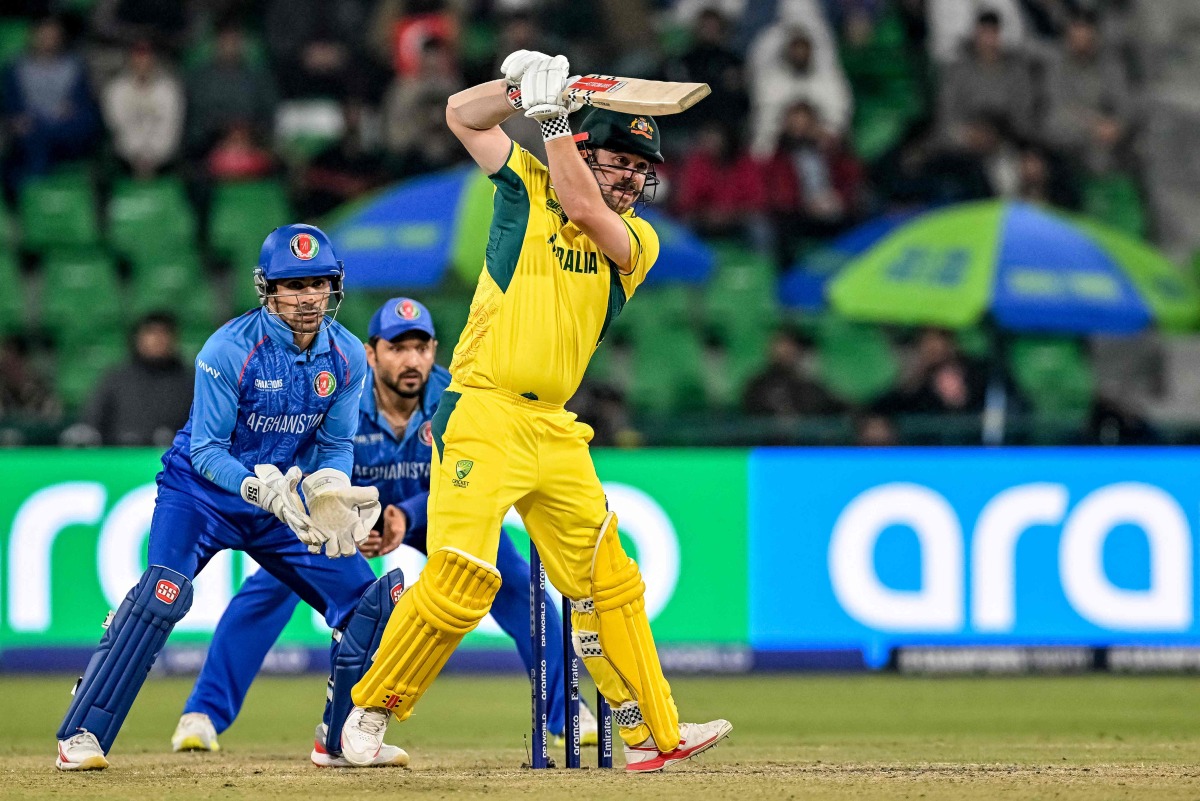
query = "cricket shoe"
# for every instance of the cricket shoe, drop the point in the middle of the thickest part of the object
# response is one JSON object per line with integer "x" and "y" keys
{"x": 195, "y": 732}
{"x": 80, "y": 752}
{"x": 694, "y": 738}
{"x": 389, "y": 756}
{"x": 589, "y": 729}
{"x": 362, "y": 734}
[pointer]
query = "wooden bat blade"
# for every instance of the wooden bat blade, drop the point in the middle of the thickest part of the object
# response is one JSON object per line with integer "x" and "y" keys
{"x": 636, "y": 95}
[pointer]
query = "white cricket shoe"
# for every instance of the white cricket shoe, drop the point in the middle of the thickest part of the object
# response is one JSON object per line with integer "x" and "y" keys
{"x": 80, "y": 752}
{"x": 362, "y": 734}
{"x": 195, "y": 732}
{"x": 694, "y": 738}
{"x": 389, "y": 756}
{"x": 589, "y": 729}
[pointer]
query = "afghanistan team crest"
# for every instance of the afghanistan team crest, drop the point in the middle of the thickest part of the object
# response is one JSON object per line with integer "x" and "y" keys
{"x": 324, "y": 384}
{"x": 304, "y": 246}
{"x": 425, "y": 433}
{"x": 407, "y": 310}
{"x": 640, "y": 126}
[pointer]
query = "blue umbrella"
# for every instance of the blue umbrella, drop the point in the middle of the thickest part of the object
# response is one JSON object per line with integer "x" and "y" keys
{"x": 413, "y": 233}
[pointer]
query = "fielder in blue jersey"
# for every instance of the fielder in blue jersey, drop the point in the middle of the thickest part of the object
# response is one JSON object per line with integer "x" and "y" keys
{"x": 392, "y": 453}
{"x": 277, "y": 390}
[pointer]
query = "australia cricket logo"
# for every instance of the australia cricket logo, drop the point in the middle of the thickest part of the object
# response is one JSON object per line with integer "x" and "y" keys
{"x": 461, "y": 470}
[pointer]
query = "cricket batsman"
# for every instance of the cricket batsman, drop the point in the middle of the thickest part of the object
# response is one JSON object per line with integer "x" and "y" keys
{"x": 277, "y": 393}
{"x": 392, "y": 452}
{"x": 565, "y": 253}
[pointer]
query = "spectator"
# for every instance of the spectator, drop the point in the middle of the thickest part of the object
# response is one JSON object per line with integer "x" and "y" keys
{"x": 144, "y": 107}
{"x": 718, "y": 188}
{"x": 950, "y": 25}
{"x": 240, "y": 155}
{"x": 415, "y": 112}
{"x": 47, "y": 107}
{"x": 812, "y": 182}
{"x": 145, "y": 401}
{"x": 1045, "y": 180}
{"x": 783, "y": 389}
{"x": 348, "y": 168}
{"x": 942, "y": 380}
{"x": 1088, "y": 104}
{"x": 796, "y": 73}
{"x": 874, "y": 429}
{"x": 987, "y": 79}
{"x": 228, "y": 91}
{"x": 712, "y": 60}
{"x": 318, "y": 48}
{"x": 24, "y": 393}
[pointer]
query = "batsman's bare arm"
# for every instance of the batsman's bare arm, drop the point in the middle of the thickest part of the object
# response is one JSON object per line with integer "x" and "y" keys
{"x": 474, "y": 116}
{"x": 582, "y": 202}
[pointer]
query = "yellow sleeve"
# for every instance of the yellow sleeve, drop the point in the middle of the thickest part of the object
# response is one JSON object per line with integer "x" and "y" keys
{"x": 643, "y": 247}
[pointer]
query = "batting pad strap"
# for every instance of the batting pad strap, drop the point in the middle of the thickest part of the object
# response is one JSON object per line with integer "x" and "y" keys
{"x": 555, "y": 128}
{"x": 584, "y": 606}
{"x": 352, "y": 650}
{"x": 587, "y": 643}
{"x": 454, "y": 592}
{"x": 628, "y": 715}
{"x": 118, "y": 668}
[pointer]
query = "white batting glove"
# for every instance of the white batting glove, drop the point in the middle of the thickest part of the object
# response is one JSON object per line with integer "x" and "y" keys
{"x": 275, "y": 492}
{"x": 342, "y": 515}
{"x": 515, "y": 64}
{"x": 542, "y": 87}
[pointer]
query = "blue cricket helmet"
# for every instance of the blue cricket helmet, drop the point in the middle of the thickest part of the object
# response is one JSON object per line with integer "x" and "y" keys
{"x": 297, "y": 251}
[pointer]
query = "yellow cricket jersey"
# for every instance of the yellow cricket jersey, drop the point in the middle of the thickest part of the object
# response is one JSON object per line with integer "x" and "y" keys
{"x": 547, "y": 294}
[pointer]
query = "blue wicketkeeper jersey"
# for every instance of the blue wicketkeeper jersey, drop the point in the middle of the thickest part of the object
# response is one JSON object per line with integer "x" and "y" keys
{"x": 261, "y": 400}
{"x": 398, "y": 466}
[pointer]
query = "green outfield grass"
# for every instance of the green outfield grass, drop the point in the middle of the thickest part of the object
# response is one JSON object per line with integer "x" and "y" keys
{"x": 829, "y": 737}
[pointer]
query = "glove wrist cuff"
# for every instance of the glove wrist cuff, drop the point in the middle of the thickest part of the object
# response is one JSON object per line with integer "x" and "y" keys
{"x": 555, "y": 127}
{"x": 327, "y": 479}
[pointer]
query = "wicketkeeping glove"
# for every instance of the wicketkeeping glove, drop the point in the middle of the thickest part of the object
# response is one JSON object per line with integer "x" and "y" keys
{"x": 342, "y": 516}
{"x": 272, "y": 490}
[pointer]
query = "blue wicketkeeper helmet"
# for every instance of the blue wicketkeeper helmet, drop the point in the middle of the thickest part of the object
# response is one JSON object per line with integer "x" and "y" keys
{"x": 297, "y": 251}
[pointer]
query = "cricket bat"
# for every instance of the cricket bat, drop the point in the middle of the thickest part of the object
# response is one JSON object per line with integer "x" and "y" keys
{"x": 636, "y": 95}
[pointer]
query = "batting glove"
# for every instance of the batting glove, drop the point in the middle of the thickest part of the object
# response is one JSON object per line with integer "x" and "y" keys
{"x": 275, "y": 492}
{"x": 342, "y": 515}
{"x": 516, "y": 63}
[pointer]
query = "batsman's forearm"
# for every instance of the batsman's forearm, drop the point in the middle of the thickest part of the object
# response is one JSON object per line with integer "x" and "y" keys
{"x": 573, "y": 181}
{"x": 481, "y": 107}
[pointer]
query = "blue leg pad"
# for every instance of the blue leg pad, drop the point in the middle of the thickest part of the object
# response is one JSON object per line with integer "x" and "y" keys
{"x": 354, "y": 648}
{"x": 127, "y": 651}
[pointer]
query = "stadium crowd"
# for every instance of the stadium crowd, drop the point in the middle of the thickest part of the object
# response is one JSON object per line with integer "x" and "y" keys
{"x": 142, "y": 142}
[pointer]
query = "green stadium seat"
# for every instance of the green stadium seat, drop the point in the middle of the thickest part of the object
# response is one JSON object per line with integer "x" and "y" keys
{"x": 355, "y": 312}
{"x": 449, "y": 312}
{"x": 150, "y": 217}
{"x": 80, "y": 367}
{"x": 1115, "y": 200}
{"x": 80, "y": 295}
{"x": 667, "y": 371}
{"x": 57, "y": 211}
{"x": 14, "y": 34}
{"x": 1055, "y": 377}
{"x": 176, "y": 283}
{"x": 742, "y": 295}
{"x": 856, "y": 362}
{"x": 242, "y": 214}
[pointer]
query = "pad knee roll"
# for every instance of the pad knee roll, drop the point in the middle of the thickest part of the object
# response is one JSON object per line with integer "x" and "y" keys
{"x": 454, "y": 592}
